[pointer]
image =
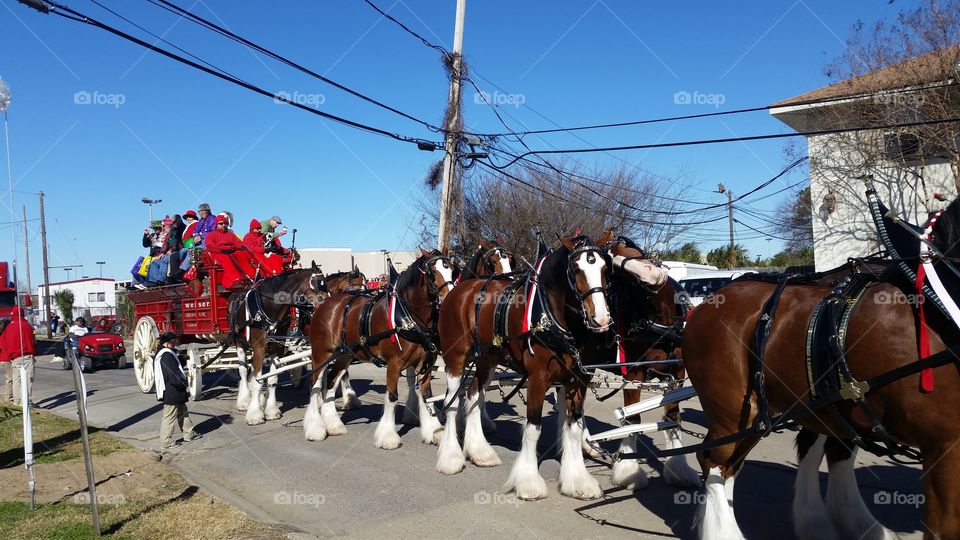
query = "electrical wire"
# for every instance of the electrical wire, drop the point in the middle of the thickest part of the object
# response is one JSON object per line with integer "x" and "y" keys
{"x": 741, "y": 139}
{"x": 196, "y": 19}
{"x": 71, "y": 14}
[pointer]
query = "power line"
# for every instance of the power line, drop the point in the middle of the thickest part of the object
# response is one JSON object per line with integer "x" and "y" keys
{"x": 424, "y": 40}
{"x": 196, "y": 19}
{"x": 801, "y": 103}
{"x": 699, "y": 142}
{"x": 68, "y": 13}
{"x": 735, "y": 220}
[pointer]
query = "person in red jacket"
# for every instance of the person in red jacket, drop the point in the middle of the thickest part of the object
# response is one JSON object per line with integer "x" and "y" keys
{"x": 254, "y": 239}
{"x": 19, "y": 346}
{"x": 222, "y": 239}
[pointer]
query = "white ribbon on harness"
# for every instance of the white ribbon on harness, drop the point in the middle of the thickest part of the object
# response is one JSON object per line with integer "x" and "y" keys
{"x": 932, "y": 276}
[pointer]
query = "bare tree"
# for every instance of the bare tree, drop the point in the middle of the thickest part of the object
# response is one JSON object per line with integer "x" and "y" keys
{"x": 561, "y": 200}
{"x": 797, "y": 221}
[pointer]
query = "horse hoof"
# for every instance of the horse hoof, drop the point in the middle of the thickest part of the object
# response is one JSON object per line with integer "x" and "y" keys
{"x": 315, "y": 435}
{"x": 256, "y": 421}
{"x": 488, "y": 458}
{"x": 388, "y": 441}
{"x": 530, "y": 489}
{"x": 678, "y": 473}
{"x": 273, "y": 415}
{"x": 627, "y": 474}
{"x": 336, "y": 430}
{"x": 432, "y": 438}
{"x": 349, "y": 403}
{"x": 450, "y": 462}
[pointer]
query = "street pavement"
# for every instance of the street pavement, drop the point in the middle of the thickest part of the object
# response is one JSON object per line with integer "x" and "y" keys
{"x": 346, "y": 487}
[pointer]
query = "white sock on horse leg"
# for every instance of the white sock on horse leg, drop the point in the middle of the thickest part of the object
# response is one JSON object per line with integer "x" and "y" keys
{"x": 386, "y": 435}
{"x": 431, "y": 431}
{"x": 716, "y": 520}
{"x": 328, "y": 411}
{"x": 255, "y": 409}
{"x": 475, "y": 444}
{"x": 243, "y": 389}
{"x": 846, "y": 507}
{"x": 810, "y": 517}
{"x": 627, "y": 472}
{"x": 525, "y": 479}
{"x": 272, "y": 411}
{"x": 575, "y": 480}
{"x": 313, "y": 426}
{"x": 450, "y": 458}
{"x": 348, "y": 398}
{"x": 676, "y": 471}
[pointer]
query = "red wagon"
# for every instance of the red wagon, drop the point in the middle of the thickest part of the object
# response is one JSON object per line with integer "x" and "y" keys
{"x": 198, "y": 313}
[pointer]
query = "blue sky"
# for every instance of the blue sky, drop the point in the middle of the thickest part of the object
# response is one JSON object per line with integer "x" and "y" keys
{"x": 162, "y": 130}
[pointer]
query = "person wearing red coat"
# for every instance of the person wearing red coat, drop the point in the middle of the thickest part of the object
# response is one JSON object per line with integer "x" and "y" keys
{"x": 18, "y": 346}
{"x": 221, "y": 239}
{"x": 254, "y": 239}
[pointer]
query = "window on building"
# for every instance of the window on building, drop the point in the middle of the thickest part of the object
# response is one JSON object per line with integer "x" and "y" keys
{"x": 96, "y": 297}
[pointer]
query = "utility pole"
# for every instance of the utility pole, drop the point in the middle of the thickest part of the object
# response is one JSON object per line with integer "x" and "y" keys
{"x": 730, "y": 253}
{"x": 26, "y": 247}
{"x": 46, "y": 269}
{"x": 452, "y": 139}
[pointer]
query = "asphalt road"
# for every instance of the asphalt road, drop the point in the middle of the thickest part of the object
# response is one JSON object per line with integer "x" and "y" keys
{"x": 346, "y": 487}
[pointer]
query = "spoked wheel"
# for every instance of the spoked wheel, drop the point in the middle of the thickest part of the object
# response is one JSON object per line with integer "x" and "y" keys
{"x": 145, "y": 338}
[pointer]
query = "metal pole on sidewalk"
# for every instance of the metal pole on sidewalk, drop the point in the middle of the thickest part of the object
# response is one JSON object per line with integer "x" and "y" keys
{"x": 27, "y": 434}
{"x": 87, "y": 460}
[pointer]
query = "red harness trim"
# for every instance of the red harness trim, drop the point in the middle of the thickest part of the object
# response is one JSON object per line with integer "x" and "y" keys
{"x": 926, "y": 376}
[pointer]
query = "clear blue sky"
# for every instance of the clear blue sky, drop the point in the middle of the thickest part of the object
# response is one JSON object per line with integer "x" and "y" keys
{"x": 185, "y": 137}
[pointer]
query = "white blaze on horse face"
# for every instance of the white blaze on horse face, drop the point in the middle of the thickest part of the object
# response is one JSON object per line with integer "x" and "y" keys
{"x": 446, "y": 272}
{"x": 504, "y": 262}
{"x": 593, "y": 272}
{"x": 642, "y": 269}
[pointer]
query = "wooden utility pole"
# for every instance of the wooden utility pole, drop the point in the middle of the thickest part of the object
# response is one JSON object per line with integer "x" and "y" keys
{"x": 26, "y": 248}
{"x": 452, "y": 139}
{"x": 731, "y": 259}
{"x": 46, "y": 269}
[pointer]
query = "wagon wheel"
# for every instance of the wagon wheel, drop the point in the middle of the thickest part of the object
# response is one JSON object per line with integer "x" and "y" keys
{"x": 145, "y": 338}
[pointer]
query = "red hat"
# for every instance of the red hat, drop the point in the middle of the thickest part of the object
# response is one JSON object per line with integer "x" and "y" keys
{"x": 220, "y": 219}
{"x": 254, "y": 225}
{"x": 167, "y": 220}
{"x": 190, "y": 213}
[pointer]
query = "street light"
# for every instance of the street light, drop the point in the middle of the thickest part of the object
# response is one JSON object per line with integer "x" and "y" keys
{"x": 100, "y": 264}
{"x": 150, "y": 202}
{"x": 67, "y": 270}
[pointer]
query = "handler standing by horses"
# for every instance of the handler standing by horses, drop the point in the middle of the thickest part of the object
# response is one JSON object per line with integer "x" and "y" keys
{"x": 171, "y": 383}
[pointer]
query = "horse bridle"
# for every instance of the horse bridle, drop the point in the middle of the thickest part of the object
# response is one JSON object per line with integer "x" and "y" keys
{"x": 491, "y": 266}
{"x": 643, "y": 256}
{"x": 430, "y": 263}
{"x": 591, "y": 252}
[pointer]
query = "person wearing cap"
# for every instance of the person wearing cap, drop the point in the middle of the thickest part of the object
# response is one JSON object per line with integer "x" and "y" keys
{"x": 18, "y": 345}
{"x": 171, "y": 387}
{"x": 254, "y": 240}
{"x": 207, "y": 222}
{"x": 151, "y": 237}
{"x": 269, "y": 226}
{"x": 222, "y": 240}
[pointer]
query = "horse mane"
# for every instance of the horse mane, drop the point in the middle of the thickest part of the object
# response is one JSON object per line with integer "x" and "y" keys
{"x": 408, "y": 276}
{"x": 469, "y": 269}
{"x": 946, "y": 232}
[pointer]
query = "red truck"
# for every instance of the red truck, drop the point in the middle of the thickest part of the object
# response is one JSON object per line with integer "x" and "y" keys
{"x": 8, "y": 291}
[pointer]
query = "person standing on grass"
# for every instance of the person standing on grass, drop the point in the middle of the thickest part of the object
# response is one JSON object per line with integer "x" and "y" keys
{"x": 171, "y": 383}
{"x": 18, "y": 345}
{"x": 7, "y": 370}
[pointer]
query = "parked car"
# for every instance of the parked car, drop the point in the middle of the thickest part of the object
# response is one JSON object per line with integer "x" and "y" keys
{"x": 94, "y": 350}
{"x": 702, "y": 285}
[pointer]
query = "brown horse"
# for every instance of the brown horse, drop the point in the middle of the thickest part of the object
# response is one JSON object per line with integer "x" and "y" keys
{"x": 648, "y": 321}
{"x": 395, "y": 327}
{"x": 539, "y": 324}
{"x": 338, "y": 283}
{"x": 731, "y": 373}
{"x": 263, "y": 310}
